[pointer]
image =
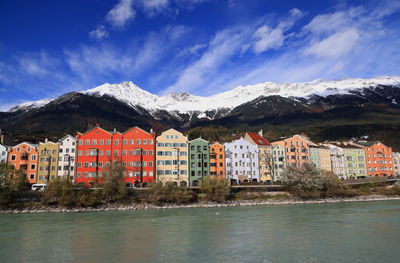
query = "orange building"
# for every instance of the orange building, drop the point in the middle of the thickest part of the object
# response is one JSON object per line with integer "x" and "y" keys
{"x": 379, "y": 158}
{"x": 298, "y": 150}
{"x": 217, "y": 160}
{"x": 24, "y": 156}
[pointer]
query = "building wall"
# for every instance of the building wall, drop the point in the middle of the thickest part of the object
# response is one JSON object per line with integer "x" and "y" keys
{"x": 139, "y": 155}
{"x": 379, "y": 160}
{"x": 315, "y": 157}
{"x": 279, "y": 161}
{"x": 94, "y": 154}
{"x": 47, "y": 162}
{"x": 3, "y": 154}
{"x": 325, "y": 161}
{"x": 199, "y": 161}
{"x": 354, "y": 160}
{"x": 67, "y": 157}
{"x": 396, "y": 161}
{"x": 24, "y": 156}
{"x": 217, "y": 161}
{"x": 297, "y": 151}
{"x": 172, "y": 158}
{"x": 241, "y": 159}
{"x": 337, "y": 161}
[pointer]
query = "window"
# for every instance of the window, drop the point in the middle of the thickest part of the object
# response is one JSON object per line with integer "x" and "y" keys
{"x": 94, "y": 142}
{"x": 138, "y": 142}
{"x": 125, "y": 142}
{"x": 108, "y": 142}
{"x": 87, "y": 142}
{"x": 116, "y": 141}
{"x": 151, "y": 142}
{"x": 13, "y": 157}
{"x": 101, "y": 142}
{"x": 33, "y": 157}
{"x": 116, "y": 153}
{"x": 144, "y": 142}
{"x": 80, "y": 142}
{"x": 32, "y": 176}
{"x": 33, "y": 166}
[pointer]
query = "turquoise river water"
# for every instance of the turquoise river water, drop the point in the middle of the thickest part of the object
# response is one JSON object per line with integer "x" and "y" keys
{"x": 340, "y": 232}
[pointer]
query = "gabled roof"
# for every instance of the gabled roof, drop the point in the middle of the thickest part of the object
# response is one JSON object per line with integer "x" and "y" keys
{"x": 66, "y": 136}
{"x": 257, "y": 139}
{"x": 136, "y": 127}
{"x": 27, "y": 143}
{"x": 369, "y": 143}
{"x": 198, "y": 139}
{"x": 346, "y": 146}
{"x": 305, "y": 138}
{"x": 94, "y": 128}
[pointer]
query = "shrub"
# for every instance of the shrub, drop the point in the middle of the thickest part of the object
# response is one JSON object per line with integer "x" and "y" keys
{"x": 60, "y": 192}
{"x": 309, "y": 182}
{"x": 215, "y": 189}
{"x": 169, "y": 193}
{"x": 114, "y": 188}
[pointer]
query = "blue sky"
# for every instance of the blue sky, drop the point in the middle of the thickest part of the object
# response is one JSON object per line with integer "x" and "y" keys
{"x": 48, "y": 48}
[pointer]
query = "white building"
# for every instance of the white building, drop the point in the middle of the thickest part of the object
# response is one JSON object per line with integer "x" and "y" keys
{"x": 241, "y": 159}
{"x": 396, "y": 162}
{"x": 337, "y": 160}
{"x": 3, "y": 154}
{"x": 67, "y": 157}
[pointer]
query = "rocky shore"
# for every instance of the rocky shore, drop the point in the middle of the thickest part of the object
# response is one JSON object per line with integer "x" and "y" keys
{"x": 146, "y": 206}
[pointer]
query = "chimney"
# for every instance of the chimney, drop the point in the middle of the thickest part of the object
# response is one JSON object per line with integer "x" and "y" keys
{"x": 46, "y": 140}
{"x": 151, "y": 131}
{"x": 260, "y": 132}
{"x": 115, "y": 130}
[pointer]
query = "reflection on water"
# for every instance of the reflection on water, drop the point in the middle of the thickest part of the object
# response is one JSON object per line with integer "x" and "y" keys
{"x": 348, "y": 232}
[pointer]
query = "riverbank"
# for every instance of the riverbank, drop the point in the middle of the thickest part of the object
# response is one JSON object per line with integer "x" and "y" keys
{"x": 236, "y": 203}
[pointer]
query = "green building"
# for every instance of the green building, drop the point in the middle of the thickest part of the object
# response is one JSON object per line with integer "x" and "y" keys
{"x": 199, "y": 161}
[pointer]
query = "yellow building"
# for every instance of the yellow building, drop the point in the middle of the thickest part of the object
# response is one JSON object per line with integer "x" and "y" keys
{"x": 325, "y": 156}
{"x": 172, "y": 158}
{"x": 47, "y": 162}
{"x": 264, "y": 154}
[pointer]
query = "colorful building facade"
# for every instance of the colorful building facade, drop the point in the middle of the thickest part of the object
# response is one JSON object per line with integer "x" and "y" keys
{"x": 279, "y": 161}
{"x": 172, "y": 158}
{"x": 337, "y": 160}
{"x": 24, "y": 157}
{"x": 353, "y": 159}
{"x": 67, "y": 157}
{"x": 217, "y": 161}
{"x": 379, "y": 158}
{"x": 241, "y": 159}
{"x": 264, "y": 154}
{"x": 325, "y": 155}
{"x": 97, "y": 149}
{"x": 138, "y": 149}
{"x": 199, "y": 161}
{"x": 47, "y": 162}
{"x": 298, "y": 150}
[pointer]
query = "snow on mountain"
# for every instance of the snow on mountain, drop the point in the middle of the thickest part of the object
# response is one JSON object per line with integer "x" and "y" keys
{"x": 131, "y": 94}
{"x": 30, "y": 105}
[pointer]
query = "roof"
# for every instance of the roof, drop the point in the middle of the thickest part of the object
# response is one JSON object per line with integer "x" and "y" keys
{"x": 67, "y": 136}
{"x": 198, "y": 139}
{"x": 27, "y": 143}
{"x": 369, "y": 144}
{"x": 346, "y": 146}
{"x": 257, "y": 139}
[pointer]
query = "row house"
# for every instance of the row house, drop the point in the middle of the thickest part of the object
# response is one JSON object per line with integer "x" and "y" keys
{"x": 279, "y": 161}
{"x": 47, "y": 162}
{"x": 3, "y": 154}
{"x": 199, "y": 161}
{"x": 97, "y": 149}
{"x": 24, "y": 157}
{"x": 242, "y": 161}
{"x": 320, "y": 157}
{"x": 379, "y": 158}
{"x": 396, "y": 162}
{"x": 172, "y": 158}
{"x": 217, "y": 161}
{"x": 353, "y": 159}
{"x": 67, "y": 157}
{"x": 298, "y": 150}
{"x": 264, "y": 154}
{"x": 337, "y": 160}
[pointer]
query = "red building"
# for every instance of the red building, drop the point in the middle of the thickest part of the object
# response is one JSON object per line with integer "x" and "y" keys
{"x": 24, "y": 156}
{"x": 98, "y": 148}
{"x": 379, "y": 158}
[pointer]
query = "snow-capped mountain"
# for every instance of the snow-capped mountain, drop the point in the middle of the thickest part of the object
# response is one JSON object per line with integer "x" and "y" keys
{"x": 185, "y": 103}
{"x": 30, "y": 105}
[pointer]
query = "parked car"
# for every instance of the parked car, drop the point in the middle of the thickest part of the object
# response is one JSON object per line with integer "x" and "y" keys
{"x": 38, "y": 187}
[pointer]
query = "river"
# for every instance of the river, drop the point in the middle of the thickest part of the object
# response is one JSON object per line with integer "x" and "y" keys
{"x": 338, "y": 232}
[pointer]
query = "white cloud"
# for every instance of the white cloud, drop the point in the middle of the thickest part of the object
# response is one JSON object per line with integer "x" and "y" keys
{"x": 267, "y": 38}
{"x": 153, "y": 7}
{"x": 335, "y": 45}
{"x": 99, "y": 33}
{"x": 121, "y": 14}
